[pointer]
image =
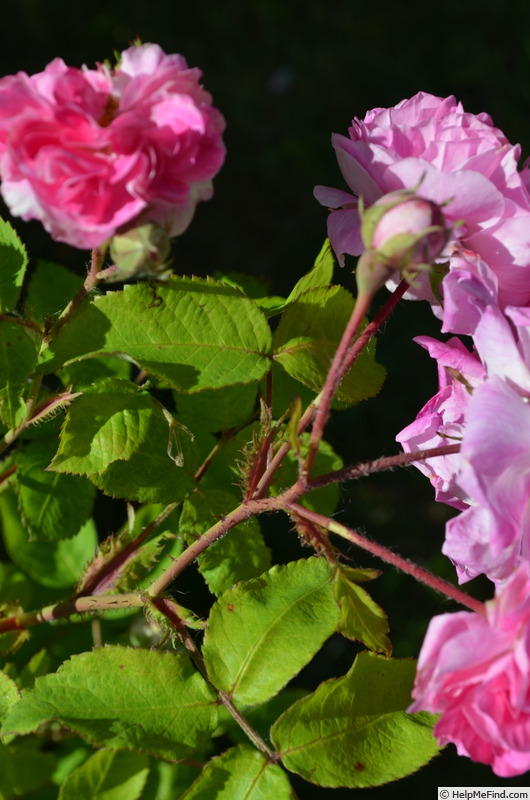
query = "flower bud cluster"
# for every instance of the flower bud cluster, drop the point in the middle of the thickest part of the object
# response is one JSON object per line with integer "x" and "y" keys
{"x": 472, "y": 669}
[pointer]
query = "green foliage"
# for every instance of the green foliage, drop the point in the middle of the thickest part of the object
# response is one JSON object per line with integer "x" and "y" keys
{"x": 323, "y": 500}
{"x": 170, "y": 399}
{"x": 23, "y": 767}
{"x": 107, "y": 775}
{"x": 195, "y": 334}
{"x": 217, "y": 410}
{"x": 321, "y": 274}
{"x": 119, "y": 697}
{"x": 360, "y": 617}
{"x": 52, "y": 506}
{"x": 288, "y": 610}
{"x": 237, "y": 557}
{"x": 150, "y": 475}
{"x": 9, "y": 696}
{"x": 240, "y": 774}
{"x": 13, "y": 263}
{"x": 308, "y": 335}
{"x": 53, "y": 564}
{"x": 50, "y": 288}
{"x": 354, "y": 731}
{"x": 107, "y": 423}
{"x": 18, "y": 356}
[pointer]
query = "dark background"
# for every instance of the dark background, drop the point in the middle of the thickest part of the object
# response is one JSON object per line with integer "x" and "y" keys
{"x": 285, "y": 75}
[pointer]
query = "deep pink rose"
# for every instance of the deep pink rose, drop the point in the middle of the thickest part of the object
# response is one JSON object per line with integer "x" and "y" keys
{"x": 441, "y": 421}
{"x": 88, "y": 151}
{"x": 475, "y": 671}
{"x": 456, "y": 158}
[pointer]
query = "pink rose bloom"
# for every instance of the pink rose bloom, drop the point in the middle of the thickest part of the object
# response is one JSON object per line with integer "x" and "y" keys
{"x": 441, "y": 421}
{"x": 475, "y": 671}
{"x": 457, "y": 158}
{"x": 493, "y": 534}
{"x": 469, "y": 286}
{"x": 88, "y": 151}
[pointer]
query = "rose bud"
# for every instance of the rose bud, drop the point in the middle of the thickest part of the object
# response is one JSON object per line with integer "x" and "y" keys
{"x": 140, "y": 252}
{"x": 401, "y": 231}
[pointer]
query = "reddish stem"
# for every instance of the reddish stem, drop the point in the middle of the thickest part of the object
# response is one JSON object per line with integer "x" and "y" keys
{"x": 107, "y": 575}
{"x": 336, "y": 373}
{"x": 421, "y": 575}
{"x": 309, "y": 413}
{"x": 381, "y": 465}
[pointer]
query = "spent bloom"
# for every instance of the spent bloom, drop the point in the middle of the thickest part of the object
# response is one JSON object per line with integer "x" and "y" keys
{"x": 88, "y": 151}
{"x": 474, "y": 671}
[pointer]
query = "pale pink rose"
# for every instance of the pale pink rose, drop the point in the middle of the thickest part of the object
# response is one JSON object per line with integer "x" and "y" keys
{"x": 475, "y": 671}
{"x": 493, "y": 534}
{"x": 441, "y": 421}
{"x": 456, "y": 158}
{"x": 469, "y": 286}
{"x": 88, "y": 151}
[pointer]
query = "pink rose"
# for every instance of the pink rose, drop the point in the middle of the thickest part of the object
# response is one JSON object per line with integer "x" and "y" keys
{"x": 88, "y": 151}
{"x": 474, "y": 671}
{"x": 457, "y": 158}
{"x": 469, "y": 286}
{"x": 441, "y": 421}
{"x": 493, "y": 535}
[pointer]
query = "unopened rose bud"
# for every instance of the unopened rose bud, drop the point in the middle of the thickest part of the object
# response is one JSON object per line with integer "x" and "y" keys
{"x": 401, "y": 231}
{"x": 140, "y": 252}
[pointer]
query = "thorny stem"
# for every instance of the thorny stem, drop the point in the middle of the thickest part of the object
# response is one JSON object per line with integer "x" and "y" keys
{"x": 248, "y": 508}
{"x": 81, "y": 605}
{"x": 382, "y": 464}
{"x": 12, "y": 435}
{"x": 165, "y": 606}
{"x": 309, "y": 413}
{"x": 92, "y": 279}
{"x": 335, "y": 374}
{"x": 105, "y": 577}
{"x": 253, "y": 735}
{"x": 421, "y": 575}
